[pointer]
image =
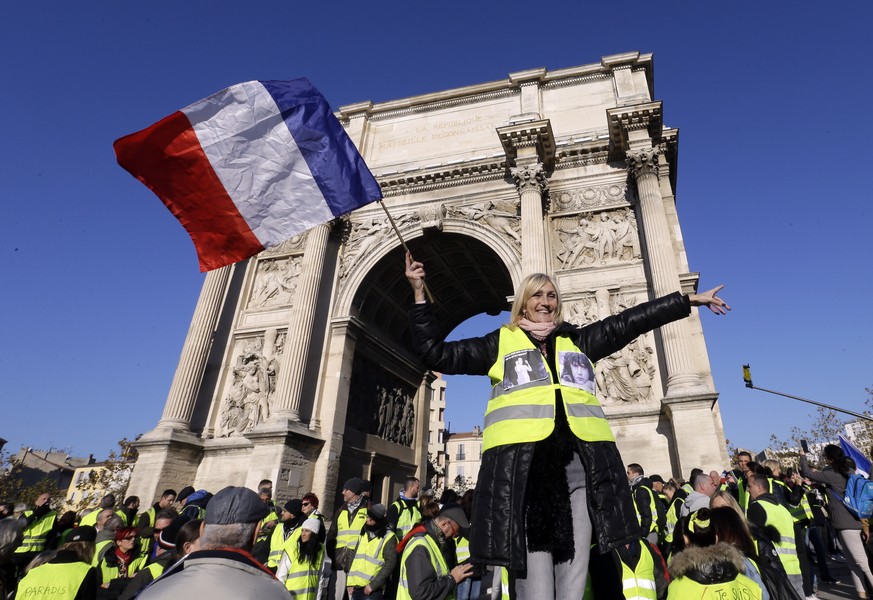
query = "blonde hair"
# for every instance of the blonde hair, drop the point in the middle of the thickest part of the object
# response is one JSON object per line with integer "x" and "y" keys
{"x": 728, "y": 499}
{"x": 526, "y": 289}
{"x": 773, "y": 465}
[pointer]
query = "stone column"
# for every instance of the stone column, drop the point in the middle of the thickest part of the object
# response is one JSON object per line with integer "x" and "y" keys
{"x": 297, "y": 344}
{"x": 189, "y": 372}
{"x": 643, "y": 165}
{"x": 530, "y": 180}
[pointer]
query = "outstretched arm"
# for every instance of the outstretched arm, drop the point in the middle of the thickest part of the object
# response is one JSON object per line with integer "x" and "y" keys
{"x": 711, "y": 300}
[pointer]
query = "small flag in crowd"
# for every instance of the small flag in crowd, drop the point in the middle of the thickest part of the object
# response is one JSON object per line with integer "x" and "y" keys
{"x": 862, "y": 463}
{"x": 250, "y": 167}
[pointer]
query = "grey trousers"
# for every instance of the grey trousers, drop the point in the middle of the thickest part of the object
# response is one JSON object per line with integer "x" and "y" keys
{"x": 856, "y": 558}
{"x": 545, "y": 580}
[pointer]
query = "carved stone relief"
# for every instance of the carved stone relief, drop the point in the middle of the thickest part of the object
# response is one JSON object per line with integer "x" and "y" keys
{"x": 589, "y": 197}
{"x": 626, "y": 376}
{"x": 502, "y": 217}
{"x": 365, "y": 236}
{"x": 275, "y": 282}
{"x": 251, "y": 384}
{"x": 596, "y": 239}
{"x": 290, "y": 245}
{"x": 380, "y": 403}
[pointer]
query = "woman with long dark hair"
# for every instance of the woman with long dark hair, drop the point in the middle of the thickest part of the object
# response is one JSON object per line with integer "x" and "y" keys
{"x": 846, "y": 525}
{"x": 301, "y": 561}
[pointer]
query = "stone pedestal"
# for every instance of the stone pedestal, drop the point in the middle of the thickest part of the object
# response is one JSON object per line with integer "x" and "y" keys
{"x": 697, "y": 432}
{"x": 168, "y": 459}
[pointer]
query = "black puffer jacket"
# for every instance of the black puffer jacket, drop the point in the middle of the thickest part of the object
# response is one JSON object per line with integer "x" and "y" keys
{"x": 498, "y": 536}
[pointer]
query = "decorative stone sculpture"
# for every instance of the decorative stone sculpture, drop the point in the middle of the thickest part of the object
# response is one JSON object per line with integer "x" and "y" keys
{"x": 381, "y": 404}
{"x": 597, "y": 239}
{"x": 275, "y": 282}
{"x": 502, "y": 217}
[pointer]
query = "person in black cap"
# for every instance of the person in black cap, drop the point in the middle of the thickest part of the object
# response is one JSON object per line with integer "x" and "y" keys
{"x": 424, "y": 571}
{"x": 342, "y": 539}
{"x": 223, "y": 569}
{"x": 70, "y": 568}
{"x": 291, "y": 517}
{"x": 375, "y": 557}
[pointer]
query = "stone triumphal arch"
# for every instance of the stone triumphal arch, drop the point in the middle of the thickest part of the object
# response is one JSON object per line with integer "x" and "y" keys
{"x": 297, "y": 365}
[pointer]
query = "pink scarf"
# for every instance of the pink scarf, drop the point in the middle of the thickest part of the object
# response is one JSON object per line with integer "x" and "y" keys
{"x": 539, "y": 331}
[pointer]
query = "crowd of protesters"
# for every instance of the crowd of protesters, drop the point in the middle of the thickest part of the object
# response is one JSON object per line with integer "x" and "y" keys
{"x": 754, "y": 531}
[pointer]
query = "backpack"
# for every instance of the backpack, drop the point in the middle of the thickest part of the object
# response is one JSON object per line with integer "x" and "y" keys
{"x": 859, "y": 496}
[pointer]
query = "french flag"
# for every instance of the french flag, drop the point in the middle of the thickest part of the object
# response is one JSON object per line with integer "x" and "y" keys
{"x": 250, "y": 167}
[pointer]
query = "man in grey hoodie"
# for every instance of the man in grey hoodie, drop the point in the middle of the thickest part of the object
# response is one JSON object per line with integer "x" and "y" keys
{"x": 700, "y": 496}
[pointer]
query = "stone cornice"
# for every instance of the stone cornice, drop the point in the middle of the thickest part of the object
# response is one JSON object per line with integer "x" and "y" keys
{"x": 429, "y": 179}
{"x": 636, "y": 117}
{"x": 496, "y": 89}
{"x": 536, "y": 134}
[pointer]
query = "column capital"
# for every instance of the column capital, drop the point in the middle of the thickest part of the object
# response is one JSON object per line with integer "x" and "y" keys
{"x": 631, "y": 123}
{"x": 643, "y": 161}
{"x": 528, "y": 141}
{"x": 530, "y": 177}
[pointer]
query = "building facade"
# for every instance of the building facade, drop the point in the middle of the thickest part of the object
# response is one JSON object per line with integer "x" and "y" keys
{"x": 463, "y": 458}
{"x": 297, "y": 366}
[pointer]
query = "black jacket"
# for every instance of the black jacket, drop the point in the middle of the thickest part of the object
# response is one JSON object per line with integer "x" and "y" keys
{"x": 498, "y": 535}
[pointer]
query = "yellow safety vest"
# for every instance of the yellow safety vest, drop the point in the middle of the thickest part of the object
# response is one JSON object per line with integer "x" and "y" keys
{"x": 302, "y": 580}
{"x": 462, "y": 548}
{"x": 108, "y": 573}
{"x": 57, "y": 581}
{"x": 653, "y": 527}
{"x": 407, "y": 518}
{"x": 504, "y": 583}
{"x": 278, "y": 542}
{"x": 672, "y": 518}
{"x": 639, "y": 583}
{"x": 348, "y": 534}
{"x": 262, "y": 536}
{"x": 742, "y": 495}
{"x": 36, "y": 534}
{"x": 436, "y": 560}
{"x": 98, "y": 551}
{"x": 369, "y": 558}
{"x": 526, "y": 412}
{"x": 779, "y": 517}
{"x": 741, "y": 588}
{"x": 90, "y": 518}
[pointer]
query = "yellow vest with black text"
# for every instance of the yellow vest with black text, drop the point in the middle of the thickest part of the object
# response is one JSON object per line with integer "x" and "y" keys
{"x": 436, "y": 560}
{"x": 348, "y": 534}
{"x": 302, "y": 579}
{"x": 741, "y": 588}
{"x": 57, "y": 581}
{"x": 526, "y": 413}
{"x": 779, "y": 517}
{"x": 37, "y": 532}
{"x": 639, "y": 583}
{"x": 369, "y": 558}
{"x": 407, "y": 518}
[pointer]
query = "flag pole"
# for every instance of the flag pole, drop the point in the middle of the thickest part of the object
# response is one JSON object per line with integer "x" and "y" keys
{"x": 405, "y": 247}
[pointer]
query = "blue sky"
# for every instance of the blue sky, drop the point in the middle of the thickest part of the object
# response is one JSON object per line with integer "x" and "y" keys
{"x": 99, "y": 281}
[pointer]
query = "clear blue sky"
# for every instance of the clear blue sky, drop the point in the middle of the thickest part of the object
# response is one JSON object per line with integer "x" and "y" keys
{"x": 99, "y": 281}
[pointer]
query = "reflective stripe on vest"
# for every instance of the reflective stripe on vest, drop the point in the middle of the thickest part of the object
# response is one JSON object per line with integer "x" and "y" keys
{"x": 99, "y": 548}
{"x": 302, "y": 579}
{"x": 653, "y": 526}
{"x": 779, "y": 517}
{"x": 407, "y": 518}
{"x": 36, "y": 534}
{"x": 348, "y": 534}
{"x": 436, "y": 560}
{"x": 59, "y": 581}
{"x": 741, "y": 588}
{"x": 525, "y": 412}
{"x": 639, "y": 583}
{"x": 369, "y": 558}
{"x": 109, "y": 573}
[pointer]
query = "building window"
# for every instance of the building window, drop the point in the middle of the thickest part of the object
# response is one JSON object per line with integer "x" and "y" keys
{"x": 460, "y": 455}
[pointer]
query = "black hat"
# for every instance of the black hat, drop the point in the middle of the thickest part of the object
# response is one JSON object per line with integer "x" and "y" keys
{"x": 235, "y": 505}
{"x": 167, "y": 537}
{"x": 295, "y": 506}
{"x": 185, "y": 492}
{"x": 455, "y": 513}
{"x": 656, "y": 479}
{"x": 377, "y": 512}
{"x": 85, "y": 533}
{"x": 355, "y": 485}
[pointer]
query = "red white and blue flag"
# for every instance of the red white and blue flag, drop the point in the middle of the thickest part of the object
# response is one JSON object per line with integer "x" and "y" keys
{"x": 250, "y": 167}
